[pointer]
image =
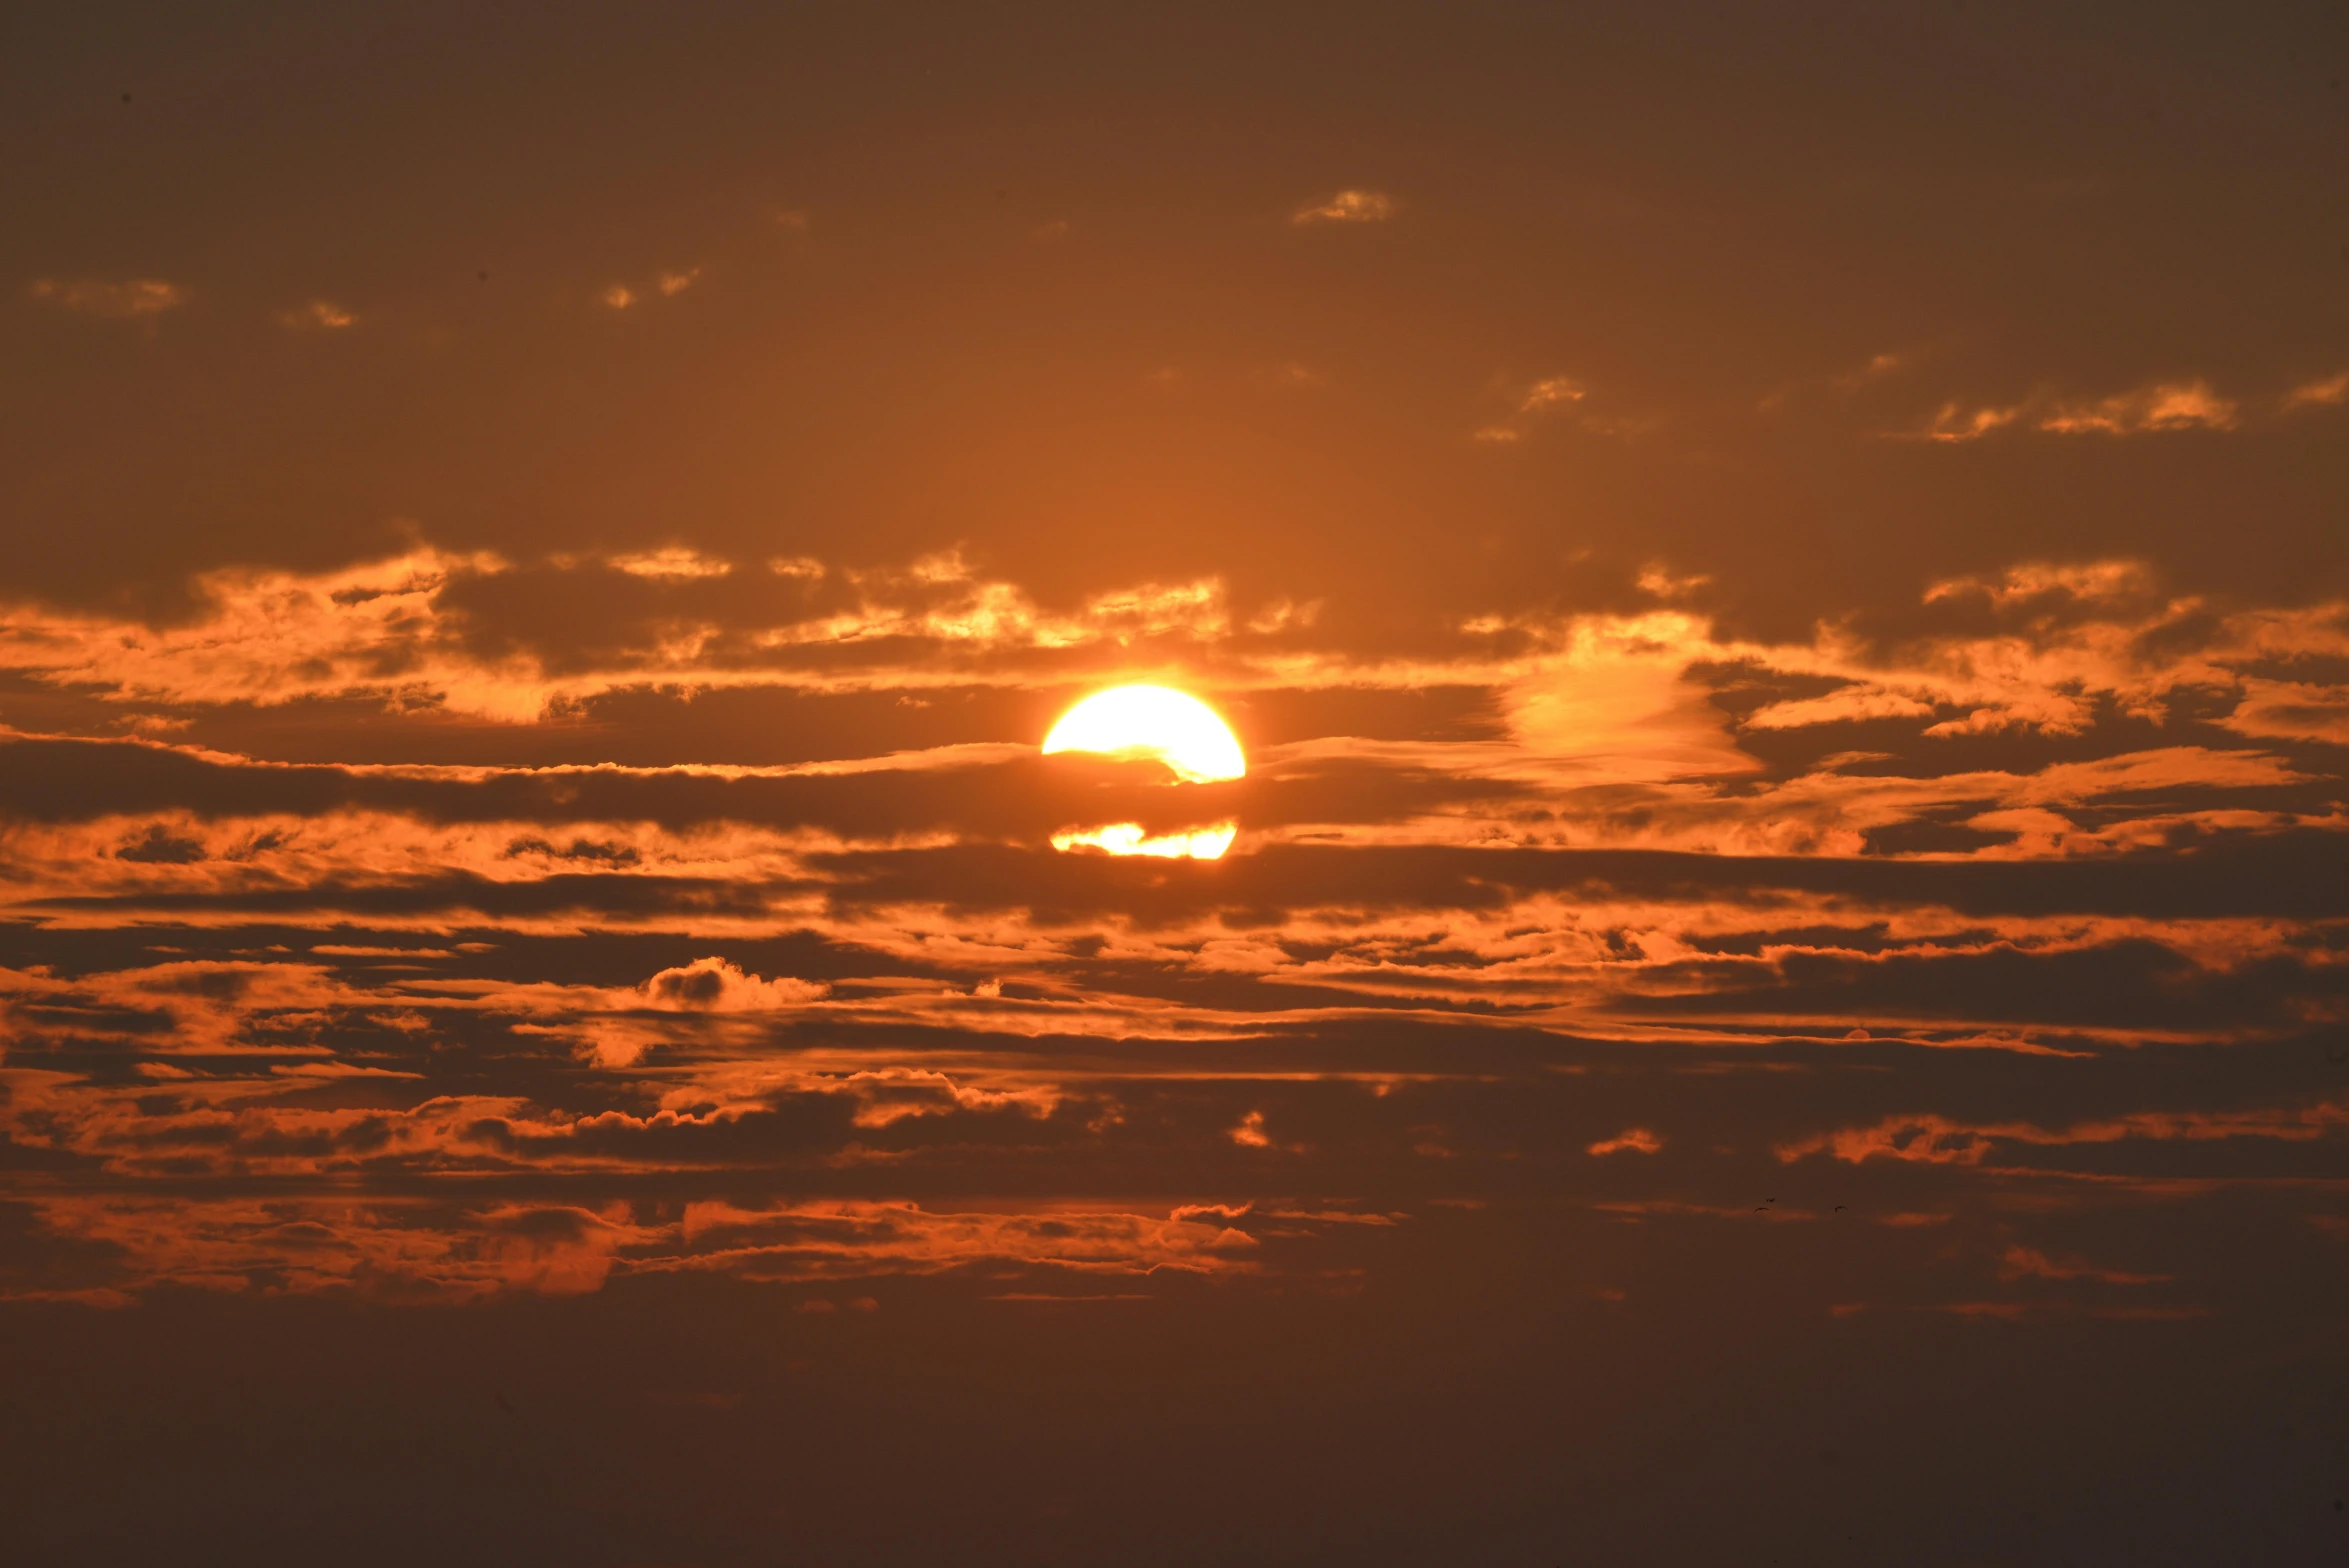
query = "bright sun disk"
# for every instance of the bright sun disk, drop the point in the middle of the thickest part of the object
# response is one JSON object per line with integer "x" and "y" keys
{"x": 1152, "y": 721}
{"x": 1171, "y": 726}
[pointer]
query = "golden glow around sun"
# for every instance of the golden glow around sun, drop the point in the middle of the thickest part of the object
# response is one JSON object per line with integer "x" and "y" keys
{"x": 1152, "y": 721}
{"x": 1171, "y": 726}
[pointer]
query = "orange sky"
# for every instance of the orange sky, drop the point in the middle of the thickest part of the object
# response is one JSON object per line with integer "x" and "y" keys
{"x": 1779, "y": 576}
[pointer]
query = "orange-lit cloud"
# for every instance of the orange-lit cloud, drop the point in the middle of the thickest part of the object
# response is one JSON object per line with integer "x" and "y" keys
{"x": 317, "y": 315}
{"x": 1938, "y": 1140}
{"x": 2160, "y": 406}
{"x": 672, "y": 562}
{"x": 2324, "y": 393}
{"x": 1346, "y": 206}
{"x": 129, "y": 300}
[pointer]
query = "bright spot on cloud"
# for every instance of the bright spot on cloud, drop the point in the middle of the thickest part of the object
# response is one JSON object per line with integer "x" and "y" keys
{"x": 1152, "y": 721}
{"x": 1125, "y": 838}
{"x": 619, "y": 296}
{"x": 671, "y": 563}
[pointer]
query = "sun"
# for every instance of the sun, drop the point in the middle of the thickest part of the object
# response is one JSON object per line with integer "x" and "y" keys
{"x": 1174, "y": 728}
{"x": 1152, "y": 721}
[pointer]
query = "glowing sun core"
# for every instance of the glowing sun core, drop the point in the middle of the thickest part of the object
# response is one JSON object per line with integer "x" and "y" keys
{"x": 1152, "y": 721}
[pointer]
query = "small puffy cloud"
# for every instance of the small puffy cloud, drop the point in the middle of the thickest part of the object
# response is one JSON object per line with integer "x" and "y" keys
{"x": 714, "y": 985}
{"x": 1347, "y": 206}
{"x": 1631, "y": 1140}
{"x": 1500, "y": 435}
{"x": 317, "y": 316}
{"x": 665, "y": 285}
{"x": 125, "y": 301}
{"x": 2328, "y": 393}
{"x": 1250, "y": 1133}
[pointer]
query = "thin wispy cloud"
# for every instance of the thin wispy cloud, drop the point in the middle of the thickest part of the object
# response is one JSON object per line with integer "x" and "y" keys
{"x": 317, "y": 315}
{"x": 128, "y": 300}
{"x": 1566, "y": 399}
{"x": 671, "y": 562}
{"x": 2159, "y": 407}
{"x": 2325, "y": 393}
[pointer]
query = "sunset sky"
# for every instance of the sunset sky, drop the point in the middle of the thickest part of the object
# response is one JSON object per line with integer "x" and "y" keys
{"x": 1774, "y": 986}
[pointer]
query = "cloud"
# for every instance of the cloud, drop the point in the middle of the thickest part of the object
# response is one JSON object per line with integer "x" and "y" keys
{"x": 2291, "y": 710}
{"x": 671, "y": 562}
{"x": 129, "y": 300}
{"x": 1940, "y": 1140}
{"x": 2174, "y": 405}
{"x": 848, "y": 1239}
{"x": 317, "y": 316}
{"x": 664, "y": 285}
{"x": 1346, "y": 206}
{"x": 2158, "y": 407}
{"x": 1952, "y": 423}
{"x": 1877, "y": 368}
{"x": 1659, "y": 581}
{"x": 1552, "y": 392}
{"x": 394, "y": 1250}
{"x": 1557, "y": 396}
{"x": 715, "y": 985}
{"x": 2019, "y": 1262}
{"x": 412, "y": 631}
{"x": 2329, "y": 392}
{"x": 1633, "y": 1140}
